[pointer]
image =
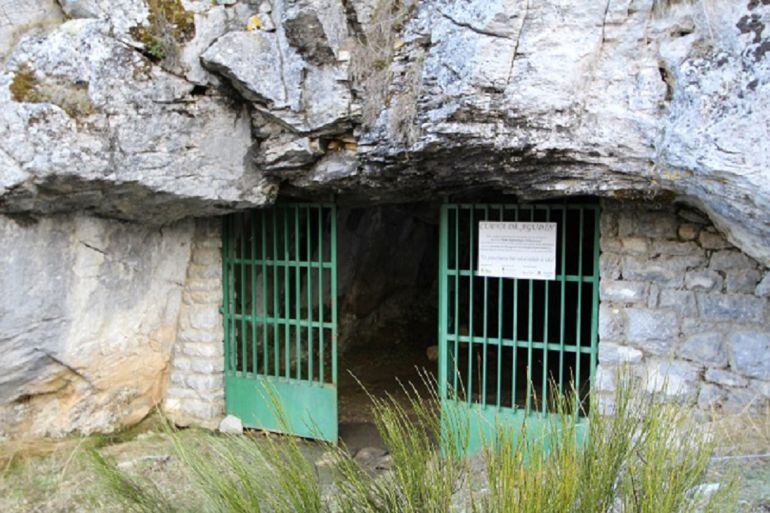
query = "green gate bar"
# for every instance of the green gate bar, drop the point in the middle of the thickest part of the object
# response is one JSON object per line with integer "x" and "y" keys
{"x": 268, "y": 280}
{"x": 560, "y": 318}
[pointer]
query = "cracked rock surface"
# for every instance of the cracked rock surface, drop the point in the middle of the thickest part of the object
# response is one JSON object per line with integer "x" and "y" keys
{"x": 195, "y": 108}
{"x": 88, "y": 318}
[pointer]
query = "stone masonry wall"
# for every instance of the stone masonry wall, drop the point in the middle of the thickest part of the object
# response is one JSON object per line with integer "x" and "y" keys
{"x": 687, "y": 311}
{"x": 195, "y": 393}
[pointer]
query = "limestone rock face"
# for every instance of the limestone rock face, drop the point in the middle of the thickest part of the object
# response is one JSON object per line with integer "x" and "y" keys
{"x": 18, "y": 18}
{"x": 88, "y": 317}
{"x": 88, "y": 123}
{"x": 189, "y": 108}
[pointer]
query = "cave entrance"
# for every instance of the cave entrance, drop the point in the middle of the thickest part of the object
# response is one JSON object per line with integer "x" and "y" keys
{"x": 306, "y": 330}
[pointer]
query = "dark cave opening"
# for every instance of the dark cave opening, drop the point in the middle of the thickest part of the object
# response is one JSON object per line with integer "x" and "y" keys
{"x": 388, "y": 270}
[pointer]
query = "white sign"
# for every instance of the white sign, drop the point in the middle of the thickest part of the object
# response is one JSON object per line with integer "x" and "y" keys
{"x": 517, "y": 250}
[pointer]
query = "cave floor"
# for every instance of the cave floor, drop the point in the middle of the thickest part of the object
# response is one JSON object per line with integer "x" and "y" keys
{"x": 379, "y": 371}
{"x": 382, "y": 371}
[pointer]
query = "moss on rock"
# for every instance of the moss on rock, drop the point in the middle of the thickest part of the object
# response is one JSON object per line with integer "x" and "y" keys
{"x": 23, "y": 84}
{"x": 71, "y": 97}
{"x": 168, "y": 26}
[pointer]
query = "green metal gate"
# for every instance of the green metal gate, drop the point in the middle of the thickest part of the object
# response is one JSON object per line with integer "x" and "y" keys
{"x": 504, "y": 343}
{"x": 280, "y": 318}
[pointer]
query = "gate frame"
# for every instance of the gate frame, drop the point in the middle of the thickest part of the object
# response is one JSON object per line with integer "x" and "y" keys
{"x": 480, "y": 421}
{"x": 281, "y": 403}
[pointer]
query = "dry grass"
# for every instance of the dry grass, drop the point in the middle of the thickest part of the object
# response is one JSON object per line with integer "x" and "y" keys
{"x": 744, "y": 433}
{"x": 373, "y": 55}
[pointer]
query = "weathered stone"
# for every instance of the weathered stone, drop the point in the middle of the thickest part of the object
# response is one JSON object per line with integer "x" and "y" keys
{"x": 333, "y": 166}
{"x": 212, "y": 366}
{"x": 606, "y": 378}
{"x": 743, "y": 401}
{"x": 611, "y": 244}
{"x": 656, "y": 271}
{"x": 198, "y": 360}
{"x": 712, "y": 240}
{"x": 725, "y": 378}
{"x": 763, "y": 288}
{"x": 651, "y": 224}
{"x": 692, "y": 215}
{"x": 231, "y": 425}
{"x": 742, "y": 281}
{"x": 710, "y": 396}
{"x": 651, "y": 325}
{"x": 635, "y": 245}
{"x": 731, "y": 307}
{"x": 211, "y": 23}
{"x": 269, "y": 72}
{"x": 622, "y": 291}
{"x": 761, "y": 386}
{"x": 616, "y": 354}
{"x": 672, "y": 378}
{"x": 705, "y": 348}
{"x": 182, "y": 363}
{"x": 305, "y": 32}
{"x": 179, "y": 393}
{"x": 675, "y": 248}
{"x": 679, "y": 301}
{"x": 608, "y": 225}
{"x": 127, "y": 134}
{"x": 121, "y": 14}
{"x": 26, "y": 18}
{"x": 287, "y": 151}
{"x": 466, "y": 100}
{"x": 750, "y": 353}
{"x": 204, "y": 383}
{"x": 688, "y": 231}
{"x": 108, "y": 126}
{"x": 256, "y": 67}
{"x": 611, "y": 322}
{"x": 703, "y": 280}
{"x": 730, "y": 259}
{"x": 610, "y": 264}
{"x": 653, "y": 296}
{"x": 88, "y": 315}
{"x": 206, "y": 350}
{"x": 665, "y": 270}
{"x": 200, "y": 410}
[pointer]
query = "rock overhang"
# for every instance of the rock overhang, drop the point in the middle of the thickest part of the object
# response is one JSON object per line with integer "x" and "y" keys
{"x": 523, "y": 99}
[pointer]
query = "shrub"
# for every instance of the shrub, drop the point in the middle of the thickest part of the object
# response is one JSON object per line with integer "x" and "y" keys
{"x": 169, "y": 24}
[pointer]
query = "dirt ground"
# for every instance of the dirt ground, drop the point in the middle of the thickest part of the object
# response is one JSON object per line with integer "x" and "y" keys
{"x": 379, "y": 371}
